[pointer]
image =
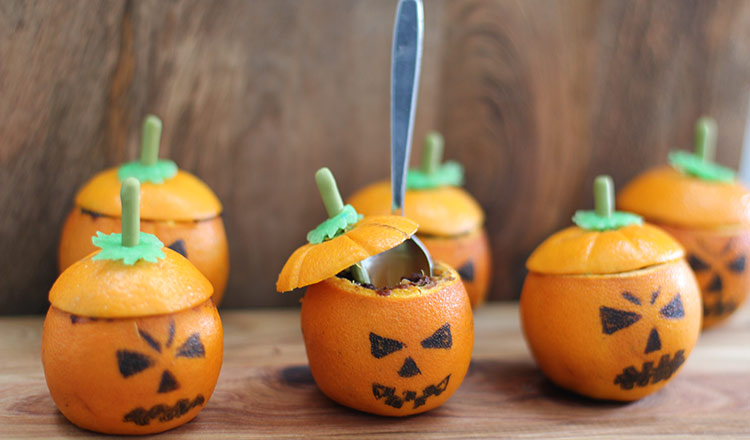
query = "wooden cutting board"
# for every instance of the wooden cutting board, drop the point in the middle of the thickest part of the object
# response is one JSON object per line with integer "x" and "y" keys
{"x": 266, "y": 390}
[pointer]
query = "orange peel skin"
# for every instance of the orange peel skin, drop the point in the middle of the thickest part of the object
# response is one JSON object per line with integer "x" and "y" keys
{"x": 394, "y": 355}
{"x": 613, "y": 337}
{"x": 664, "y": 195}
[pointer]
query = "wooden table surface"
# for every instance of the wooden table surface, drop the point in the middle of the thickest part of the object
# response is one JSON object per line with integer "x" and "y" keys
{"x": 266, "y": 390}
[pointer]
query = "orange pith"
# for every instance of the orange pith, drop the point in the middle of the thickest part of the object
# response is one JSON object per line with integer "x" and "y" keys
{"x": 205, "y": 242}
{"x": 365, "y": 349}
{"x": 184, "y": 197}
{"x": 470, "y": 255}
{"x": 719, "y": 257}
{"x": 443, "y": 211}
{"x": 170, "y": 377}
{"x": 595, "y": 334}
{"x": 313, "y": 263}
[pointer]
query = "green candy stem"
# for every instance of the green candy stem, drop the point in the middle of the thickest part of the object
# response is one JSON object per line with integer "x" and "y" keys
{"x": 705, "y": 138}
{"x": 432, "y": 156}
{"x": 150, "y": 139}
{"x": 329, "y": 192}
{"x": 604, "y": 196}
{"x": 130, "y": 195}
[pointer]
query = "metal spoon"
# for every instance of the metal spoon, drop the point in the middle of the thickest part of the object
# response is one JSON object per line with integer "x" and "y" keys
{"x": 388, "y": 268}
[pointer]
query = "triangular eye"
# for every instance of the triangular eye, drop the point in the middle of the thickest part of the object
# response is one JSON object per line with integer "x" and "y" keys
{"x": 738, "y": 264}
{"x": 192, "y": 347}
{"x": 674, "y": 309}
{"x": 696, "y": 263}
{"x": 614, "y": 320}
{"x": 442, "y": 338}
{"x": 132, "y": 362}
{"x": 381, "y": 347}
{"x": 467, "y": 271}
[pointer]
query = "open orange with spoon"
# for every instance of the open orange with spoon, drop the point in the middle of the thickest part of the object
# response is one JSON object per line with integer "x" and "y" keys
{"x": 389, "y": 350}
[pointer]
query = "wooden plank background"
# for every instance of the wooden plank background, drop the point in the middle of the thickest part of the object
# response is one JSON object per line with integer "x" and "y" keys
{"x": 534, "y": 97}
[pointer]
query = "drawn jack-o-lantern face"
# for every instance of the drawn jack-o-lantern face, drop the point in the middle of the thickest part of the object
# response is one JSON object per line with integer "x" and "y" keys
{"x": 394, "y": 355}
{"x": 381, "y": 347}
{"x": 645, "y": 313}
{"x": 624, "y": 336}
{"x": 719, "y": 259}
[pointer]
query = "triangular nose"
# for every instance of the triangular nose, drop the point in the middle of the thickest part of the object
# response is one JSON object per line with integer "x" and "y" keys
{"x": 409, "y": 368}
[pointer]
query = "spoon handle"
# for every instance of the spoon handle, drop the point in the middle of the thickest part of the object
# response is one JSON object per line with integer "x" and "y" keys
{"x": 405, "y": 66}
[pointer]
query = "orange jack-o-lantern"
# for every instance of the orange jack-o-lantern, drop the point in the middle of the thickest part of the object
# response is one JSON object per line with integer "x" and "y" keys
{"x": 610, "y": 308}
{"x": 450, "y": 219}
{"x": 394, "y": 350}
{"x": 177, "y": 207}
{"x": 708, "y": 212}
{"x": 132, "y": 342}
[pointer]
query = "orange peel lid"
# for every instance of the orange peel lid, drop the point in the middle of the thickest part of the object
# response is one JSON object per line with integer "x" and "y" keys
{"x": 110, "y": 289}
{"x": 442, "y": 211}
{"x": 181, "y": 198}
{"x": 665, "y": 195}
{"x": 576, "y": 251}
{"x": 313, "y": 263}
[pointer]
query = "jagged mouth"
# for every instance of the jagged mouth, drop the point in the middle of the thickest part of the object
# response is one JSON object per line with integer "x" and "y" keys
{"x": 391, "y": 399}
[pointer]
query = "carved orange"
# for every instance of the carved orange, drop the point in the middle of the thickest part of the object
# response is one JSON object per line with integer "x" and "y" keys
{"x": 182, "y": 212}
{"x": 131, "y": 349}
{"x": 613, "y": 314}
{"x": 395, "y": 355}
{"x": 711, "y": 220}
{"x": 450, "y": 225}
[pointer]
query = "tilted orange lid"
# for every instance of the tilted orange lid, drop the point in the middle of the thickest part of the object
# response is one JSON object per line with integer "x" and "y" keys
{"x": 112, "y": 289}
{"x": 370, "y": 236}
{"x": 666, "y": 195}
{"x": 184, "y": 197}
{"x": 342, "y": 240}
{"x": 442, "y": 211}
{"x": 604, "y": 242}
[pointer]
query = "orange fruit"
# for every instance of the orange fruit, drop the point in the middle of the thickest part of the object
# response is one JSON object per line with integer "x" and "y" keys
{"x": 394, "y": 355}
{"x": 181, "y": 211}
{"x": 610, "y": 313}
{"x": 388, "y": 350}
{"x": 711, "y": 220}
{"x": 131, "y": 349}
{"x": 450, "y": 226}
{"x": 132, "y": 342}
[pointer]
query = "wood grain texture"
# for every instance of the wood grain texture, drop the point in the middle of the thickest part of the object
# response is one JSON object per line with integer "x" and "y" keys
{"x": 265, "y": 389}
{"x": 534, "y": 97}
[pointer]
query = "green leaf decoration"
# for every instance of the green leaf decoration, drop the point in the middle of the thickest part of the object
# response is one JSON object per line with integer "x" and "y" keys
{"x": 694, "y": 165}
{"x": 149, "y": 248}
{"x": 335, "y": 226}
{"x": 160, "y": 171}
{"x": 449, "y": 173}
{"x": 591, "y": 221}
